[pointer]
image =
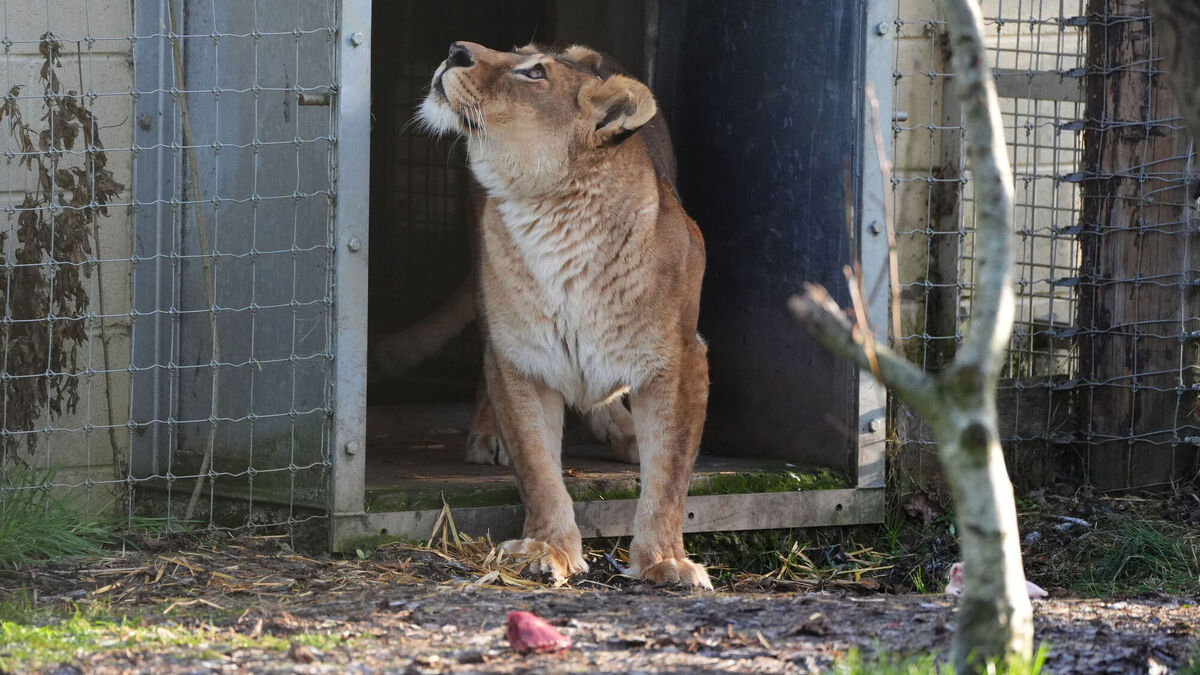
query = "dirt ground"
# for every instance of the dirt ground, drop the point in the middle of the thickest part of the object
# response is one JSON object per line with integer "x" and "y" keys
{"x": 407, "y": 610}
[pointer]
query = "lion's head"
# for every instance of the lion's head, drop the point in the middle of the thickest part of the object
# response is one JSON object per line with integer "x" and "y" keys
{"x": 533, "y": 119}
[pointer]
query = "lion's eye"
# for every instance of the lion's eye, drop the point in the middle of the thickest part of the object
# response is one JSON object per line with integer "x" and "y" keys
{"x": 537, "y": 72}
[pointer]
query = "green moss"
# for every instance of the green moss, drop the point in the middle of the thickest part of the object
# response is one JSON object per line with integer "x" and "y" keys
{"x": 385, "y": 500}
{"x": 604, "y": 491}
{"x": 25, "y": 647}
{"x": 764, "y": 481}
{"x": 272, "y": 457}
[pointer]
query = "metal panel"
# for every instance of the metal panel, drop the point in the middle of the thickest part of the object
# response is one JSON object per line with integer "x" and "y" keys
{"x": 232, "y": 276}
{"x": 156, "y": 227}
{"x": 262, "y": 162}
{"x": 821, "y": 508}
{"x": 766, "y": 121}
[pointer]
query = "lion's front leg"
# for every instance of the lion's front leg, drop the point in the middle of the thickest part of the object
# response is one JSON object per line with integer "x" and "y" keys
{"x": 529, "y": 416}
{"x": 668, "y": 416}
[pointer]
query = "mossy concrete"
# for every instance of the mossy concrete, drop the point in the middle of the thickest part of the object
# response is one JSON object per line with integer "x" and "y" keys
{"x": 599, "y": 488}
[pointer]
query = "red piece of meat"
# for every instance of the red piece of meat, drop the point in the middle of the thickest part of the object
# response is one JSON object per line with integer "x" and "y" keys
{"x": 529, "y": 633}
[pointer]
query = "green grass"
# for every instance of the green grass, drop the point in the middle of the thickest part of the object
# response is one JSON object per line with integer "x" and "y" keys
{"x": 37, "y": 525}
{"x": 1193, "y": 665}
{"x": 927, "y": 664}
{"x": 24, "y": 646}
{"x": 762, "y": 551}
{"x": 1131, "y": 554}
{"x": 17, "y": 607}
{"x": 919, "y": 584}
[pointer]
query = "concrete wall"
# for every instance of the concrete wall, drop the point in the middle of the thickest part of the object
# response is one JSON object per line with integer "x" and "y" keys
{"x": 96, "y": 61}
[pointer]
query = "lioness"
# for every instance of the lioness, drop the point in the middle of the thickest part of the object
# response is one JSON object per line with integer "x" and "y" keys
{"x": 589, "y": 277}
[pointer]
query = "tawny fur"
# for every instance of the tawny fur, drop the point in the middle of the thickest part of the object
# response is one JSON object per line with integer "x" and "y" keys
{"x": 590, "y": 278}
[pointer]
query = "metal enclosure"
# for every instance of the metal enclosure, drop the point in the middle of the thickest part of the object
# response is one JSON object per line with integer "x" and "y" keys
{"x": 772, "y": 167}
{"x": 222, "y": 370}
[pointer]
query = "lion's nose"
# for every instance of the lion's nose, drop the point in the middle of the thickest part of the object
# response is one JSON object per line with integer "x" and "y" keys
{"x": 460, "y": 56}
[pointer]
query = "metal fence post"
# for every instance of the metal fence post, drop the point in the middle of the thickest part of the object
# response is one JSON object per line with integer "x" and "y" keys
{"x": 352, "y": 162}
{"x": 873, "y": 240}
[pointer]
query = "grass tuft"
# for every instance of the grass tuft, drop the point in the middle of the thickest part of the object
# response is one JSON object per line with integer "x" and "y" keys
{"x": 36, "y": 525}
{"x": 17, "y": 607}
{"x": 1127, "y": 553}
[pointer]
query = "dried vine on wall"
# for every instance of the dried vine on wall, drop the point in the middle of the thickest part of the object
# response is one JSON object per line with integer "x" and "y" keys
{"x": 44, "y": 296}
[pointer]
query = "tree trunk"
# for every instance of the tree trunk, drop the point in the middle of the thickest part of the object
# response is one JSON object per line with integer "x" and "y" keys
{"x": 1138, "y": 258}
{"x": 995, "y": 619}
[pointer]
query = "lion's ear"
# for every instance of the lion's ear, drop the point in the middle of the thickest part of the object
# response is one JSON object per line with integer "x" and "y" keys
{"x": 585, "y": 57}
{"x": 621, "y": 105}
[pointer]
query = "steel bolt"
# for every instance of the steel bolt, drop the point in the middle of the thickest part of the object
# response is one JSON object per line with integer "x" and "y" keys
{"x": 882, "y": 28}
{"x": 875, "y": 425}
{"x": 352, "y": 448}
{"x": 356, "y": 39}
{"x": 355, "y": 244}
{"x": 875, "y": 228}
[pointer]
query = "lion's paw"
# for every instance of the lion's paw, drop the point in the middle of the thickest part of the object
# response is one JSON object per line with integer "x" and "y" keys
{"x": 613, "y": 423}
{"x": 547, "y": 558}
{"x": 486, "y": 448}
{"x": 676, "y": 571}
{"x": 626, "y": 449}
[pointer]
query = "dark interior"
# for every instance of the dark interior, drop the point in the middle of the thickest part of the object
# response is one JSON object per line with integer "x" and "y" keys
{"x": 764, "y": 128}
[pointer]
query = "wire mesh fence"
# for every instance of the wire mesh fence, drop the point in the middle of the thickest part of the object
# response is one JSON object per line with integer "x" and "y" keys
{"x": 167, "y": 257}
{"x": 1099, "y": 380}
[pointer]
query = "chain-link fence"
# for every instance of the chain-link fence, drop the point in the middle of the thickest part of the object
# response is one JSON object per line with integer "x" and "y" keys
{"x": 1099, "y": 377}
{"x": 167, "y": 255}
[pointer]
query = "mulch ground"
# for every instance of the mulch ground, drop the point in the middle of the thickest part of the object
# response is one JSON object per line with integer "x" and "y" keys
{"x": 414, "y": 610}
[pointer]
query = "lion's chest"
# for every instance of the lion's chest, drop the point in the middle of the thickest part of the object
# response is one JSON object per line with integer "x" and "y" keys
{"x": 572, "y": 315}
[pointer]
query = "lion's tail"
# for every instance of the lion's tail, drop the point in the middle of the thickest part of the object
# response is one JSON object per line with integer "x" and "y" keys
{"x": 403, "y": 350}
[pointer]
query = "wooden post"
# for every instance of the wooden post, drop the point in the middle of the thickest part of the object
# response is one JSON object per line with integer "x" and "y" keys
{"x": 1139, "y": 261}
{"x": 945, "y": 249}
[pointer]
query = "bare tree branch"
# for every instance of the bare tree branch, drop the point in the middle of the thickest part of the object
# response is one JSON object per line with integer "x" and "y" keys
{"x": 829, "y": 325}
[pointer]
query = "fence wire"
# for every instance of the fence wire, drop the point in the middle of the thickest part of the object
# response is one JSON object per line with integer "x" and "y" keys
{"x": 1099, "y": 380}
{"x": 167, "y": 258}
